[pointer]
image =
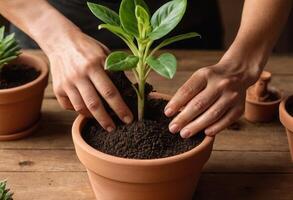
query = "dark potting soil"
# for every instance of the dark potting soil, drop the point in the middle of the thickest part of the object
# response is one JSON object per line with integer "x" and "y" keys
{"x": 289, "y": 106}
{"x": 272, "y": 96}
{"x": 17, "y": 75}
{"x": 147, "y": 139}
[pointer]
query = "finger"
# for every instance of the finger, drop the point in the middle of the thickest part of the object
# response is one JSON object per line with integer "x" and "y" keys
{"x": 110, "y": 93}
{"x": 226, "y": 121}
{"x": 214, "y": 113}
{"x": 65, "y": 102}
{"x": 184, "y": 94}
{"x": 95, "y": 105}
{"x": 194, "y": 108}
{"x": 62, "y": 97}
{"x": 76, "y": 101}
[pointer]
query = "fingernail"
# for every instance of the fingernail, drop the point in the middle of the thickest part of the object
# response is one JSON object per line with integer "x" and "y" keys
{"x": 185, "y": 133}
{"x": 110, "y": 129}
{"x": 168, "y": 111}
{"x": 127, "y": 119}
{"x": 174, "y": 128}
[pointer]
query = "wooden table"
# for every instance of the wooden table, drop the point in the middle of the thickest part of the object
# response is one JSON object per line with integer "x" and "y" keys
{"x": 250, "y": 163}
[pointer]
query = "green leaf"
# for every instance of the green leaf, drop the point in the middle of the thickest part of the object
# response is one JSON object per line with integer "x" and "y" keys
{"x": 120, "y": 61}
{"x": 165, "y": 65}
{"x": 167, "y": 17}
{"x": 117, "y": 30}
{"x": 105, "y": 14}
{"x": 176, "y": 39}
{"x": 143, "y": 4}
{"x": 2, "y": 31}
{"x": 128, "y": 18}
{"x": 143, "y": 20}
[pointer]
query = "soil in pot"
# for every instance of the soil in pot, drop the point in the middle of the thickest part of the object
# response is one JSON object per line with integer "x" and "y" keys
{"x": 147, "y": 139}
{"x": 289, "y": 106}
{"x": 15, "y": 75}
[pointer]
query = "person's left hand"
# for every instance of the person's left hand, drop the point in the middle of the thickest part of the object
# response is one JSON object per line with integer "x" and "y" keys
{"x": 212, "y": 99}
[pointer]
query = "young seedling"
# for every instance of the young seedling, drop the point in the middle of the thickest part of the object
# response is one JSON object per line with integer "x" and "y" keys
{"x": 5, "y": 193}
{"x": 138, "y": 29}
{"x": 9, "y": 48}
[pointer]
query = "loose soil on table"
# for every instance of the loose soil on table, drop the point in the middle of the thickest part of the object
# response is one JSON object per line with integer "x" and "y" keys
{"x": 17, "y": 75}
{"x": 289, "y": 106}
{"x": 148, "y": 139}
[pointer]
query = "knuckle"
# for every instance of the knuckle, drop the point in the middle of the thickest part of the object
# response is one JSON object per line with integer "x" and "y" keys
{"x": 199, "y": 104}
{"x": 216, "y": 113}
{"x": 58, "y": 90}
{"x": 79, "y": 108}
{"x": 72, "y": 77}
{"x": 109, "y": 93}
{"x": 224, "y": 83}
{"x": 186, "y": 90}
{"x": 93, "y": 105}
{"x": 206, "y": 71}
{"x": 65, "y": 104}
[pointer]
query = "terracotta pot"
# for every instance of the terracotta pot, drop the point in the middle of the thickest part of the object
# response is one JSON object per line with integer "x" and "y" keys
{"x": 258, "y": 106}
{"x": 20, "y": 106}
{"x": 262, "y": 111}
{"x": 287, "y": 121}
{"x": 115, "y": 178}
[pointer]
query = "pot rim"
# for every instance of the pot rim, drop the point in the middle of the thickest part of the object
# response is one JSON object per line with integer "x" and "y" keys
{"x": 273, "y": 89}
{"x": 285, "y": 117}
{"x": 43, "y": 68}
{"x": 78, "y": 140}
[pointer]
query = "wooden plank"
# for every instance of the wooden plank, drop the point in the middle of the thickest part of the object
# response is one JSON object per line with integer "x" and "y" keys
{"x": 253, "y": 137}
{"x": 40, "y": 161}
{"x": 52, "y": 112}
{"x": 75, "y": 186}
{"x": 245, "y": 186}
{"x": 249, "y": 162}
{"x": 49, "y": 186}
{"x": 220, "y": 161}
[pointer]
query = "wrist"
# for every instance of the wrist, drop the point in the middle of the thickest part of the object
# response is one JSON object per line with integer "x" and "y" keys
{"x": 52, "y": 31}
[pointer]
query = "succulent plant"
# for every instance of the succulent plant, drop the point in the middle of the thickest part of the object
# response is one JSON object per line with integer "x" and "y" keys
{"x": 5, "y": 193}
{"x": 139, "y": 29}
{"x": 9, "y": 48}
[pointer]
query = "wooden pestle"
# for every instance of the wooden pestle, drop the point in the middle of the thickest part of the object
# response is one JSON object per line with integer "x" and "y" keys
{"x": 261, "y": 87}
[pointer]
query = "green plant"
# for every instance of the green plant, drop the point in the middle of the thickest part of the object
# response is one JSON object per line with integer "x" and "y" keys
{"x": 138, "y": 29}
{"x": 9, "y": 48}
{"x": 5, "y": 193}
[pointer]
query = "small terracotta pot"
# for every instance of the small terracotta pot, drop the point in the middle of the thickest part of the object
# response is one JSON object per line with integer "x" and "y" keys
{"x": 287, "y": 121}
{"x": 258, "y": 106}
{"x": 20, "y": 106}
{"x": 262, "y": 111}
{"x": 115, "y": 178}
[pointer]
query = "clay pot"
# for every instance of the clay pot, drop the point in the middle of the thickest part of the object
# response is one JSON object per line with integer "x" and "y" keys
{"x": 20, "y": 106}
{"x": 258, "y": 106}
{"x": 115, "y": 178}
{"x": 287, "y": 121}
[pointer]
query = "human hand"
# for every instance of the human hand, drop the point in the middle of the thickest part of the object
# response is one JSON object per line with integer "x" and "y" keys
{"x": 212, "y": 99}
{"x": 77, "y": 68}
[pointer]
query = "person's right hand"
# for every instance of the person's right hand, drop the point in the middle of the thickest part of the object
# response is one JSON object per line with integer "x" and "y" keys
{"x": 77, "y": 68}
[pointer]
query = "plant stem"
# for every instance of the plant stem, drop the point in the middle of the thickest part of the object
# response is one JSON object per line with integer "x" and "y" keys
{"x": 140, "y": 100}
{"x": 141, "y": 82}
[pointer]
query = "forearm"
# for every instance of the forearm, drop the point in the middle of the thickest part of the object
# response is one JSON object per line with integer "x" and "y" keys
{"x": 39, "y": 20}
{"x": 261, "y": 24}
